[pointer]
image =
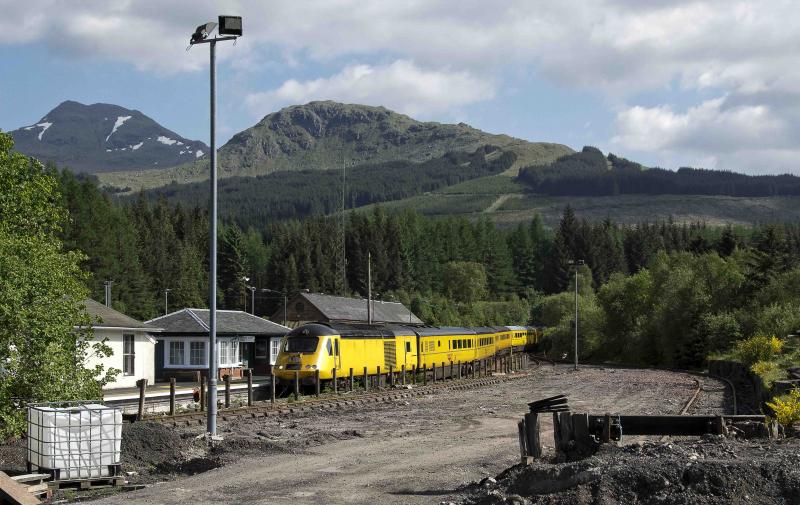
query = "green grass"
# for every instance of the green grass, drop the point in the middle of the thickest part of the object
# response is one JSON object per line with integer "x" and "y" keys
{"x": 490, "y": 185}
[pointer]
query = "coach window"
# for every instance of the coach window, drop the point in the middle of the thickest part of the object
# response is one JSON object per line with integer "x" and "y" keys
{"x": 438, "y": 343}
{"x": 336, "y": 346}
{"x": 329, "y": 346}
{"x": 408, "y": 346}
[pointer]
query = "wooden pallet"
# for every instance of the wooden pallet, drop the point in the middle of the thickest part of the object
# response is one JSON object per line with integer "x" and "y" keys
{"x": 36, "y": 483}
{"x": 89, "y": 483}
{"x": 15, "y": 493}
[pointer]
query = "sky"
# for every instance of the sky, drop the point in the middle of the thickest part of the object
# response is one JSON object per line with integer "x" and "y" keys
{"x": 713, "y": 84}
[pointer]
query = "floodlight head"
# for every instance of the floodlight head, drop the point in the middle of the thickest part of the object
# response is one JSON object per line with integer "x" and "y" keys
{"x": 230, "y": 25}
{"x": 202, "y": 32}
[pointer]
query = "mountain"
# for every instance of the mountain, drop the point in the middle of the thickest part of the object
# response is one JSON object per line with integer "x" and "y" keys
{"x": 325, "y": 135}
{"x": 104, "y": 137}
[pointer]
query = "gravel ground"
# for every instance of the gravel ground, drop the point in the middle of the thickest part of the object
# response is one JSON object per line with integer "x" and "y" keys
{"x": 428, "y": 449}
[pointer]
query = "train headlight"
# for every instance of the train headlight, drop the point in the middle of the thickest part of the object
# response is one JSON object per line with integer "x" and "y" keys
{"x": 311, "y": 367}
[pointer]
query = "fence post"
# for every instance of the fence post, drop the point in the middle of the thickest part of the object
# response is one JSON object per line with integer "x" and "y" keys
{"x": 142, "y": 383}
{"x": 335, "y": 385}
{"x": 378, "y": 378}
{"x": 532, "y": 436}
{"x": 272, "y": 385}
{"x": 316, "y": 383}
{"x": 352, "y": 380}
{"x": 391, "y": 375}
{"x": 202, "y": 393}
{"x": 366, "y": 380}
{"x": 425, "y": 374}
{"x": 296, "y": 385}
{"x": 249, "y": 387}
{"x": 459, "y": 369}
{"x": 172, "y": 396}
{"x": 227, "y": 379}
{"x": 403, "y": 375}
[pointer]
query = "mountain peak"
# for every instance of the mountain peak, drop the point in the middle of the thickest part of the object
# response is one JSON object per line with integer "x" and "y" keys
{"x": 326, "y": 134}
{"x": 102, "y": 137}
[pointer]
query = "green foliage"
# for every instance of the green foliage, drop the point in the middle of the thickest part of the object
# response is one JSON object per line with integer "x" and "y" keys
{"x": 42, "y": 356}
{"x": 464, "y": 281}
{"x": 768, "y": 371}
{"x": 758, "y": 348}
{"x": 786, "y": 408}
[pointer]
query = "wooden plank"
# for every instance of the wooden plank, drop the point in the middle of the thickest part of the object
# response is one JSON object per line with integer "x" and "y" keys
{"x": 14, "y": 492}
{"x": 532, "y": 435}
{"x": 31, "y": 477}
{"x": 523, "y": 451}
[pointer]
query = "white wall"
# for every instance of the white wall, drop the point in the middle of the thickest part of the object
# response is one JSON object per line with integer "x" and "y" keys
{"x": 144, "y": 363}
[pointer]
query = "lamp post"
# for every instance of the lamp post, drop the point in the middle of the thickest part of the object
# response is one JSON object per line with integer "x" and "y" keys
{"x": 166, "y": 301}
{"x": 576, "y": 264}
{"x": 282, "y": 293}
{"x": 230, "y": 27}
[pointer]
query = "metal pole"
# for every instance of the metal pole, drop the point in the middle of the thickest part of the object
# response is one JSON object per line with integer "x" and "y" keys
{"x": 253, "y": 300}
{"x": 576, "y": 316}
{"x": 284, "y": 309}
{"x": 369, "y": 288}
{"x": 166, "y": 301}
{"x": 212, "y": 302}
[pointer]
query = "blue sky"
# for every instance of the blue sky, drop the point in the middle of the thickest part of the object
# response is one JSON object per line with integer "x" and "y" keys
{"x": 705, "y": 83}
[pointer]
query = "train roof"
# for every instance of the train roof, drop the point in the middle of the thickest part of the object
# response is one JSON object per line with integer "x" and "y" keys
{"x": 516, "y": 328}
{"x": 358, "y": 330}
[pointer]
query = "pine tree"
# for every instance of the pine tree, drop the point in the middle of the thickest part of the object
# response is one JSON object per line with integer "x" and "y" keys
{"x": 232, "y": 269}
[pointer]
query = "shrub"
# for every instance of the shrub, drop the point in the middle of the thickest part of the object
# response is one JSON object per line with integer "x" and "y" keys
{"x": 757, "y": 348}
{"x": 769, "y": 371}
{"x": 786, "y": 407}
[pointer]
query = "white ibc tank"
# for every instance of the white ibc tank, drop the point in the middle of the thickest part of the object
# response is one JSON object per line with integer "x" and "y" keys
{"x": 74, "y": 442}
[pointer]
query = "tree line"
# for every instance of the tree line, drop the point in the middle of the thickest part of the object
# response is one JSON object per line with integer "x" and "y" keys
{"x": 590, "y": 173}
{"x": 253, "y": 201}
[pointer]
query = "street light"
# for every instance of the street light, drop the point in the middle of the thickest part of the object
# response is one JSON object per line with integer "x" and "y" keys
{"x": 230, "y": 28}
{"x": 576, "y": 264}
{"x": 265, "y": 290}
{"x": 166, "y": 301}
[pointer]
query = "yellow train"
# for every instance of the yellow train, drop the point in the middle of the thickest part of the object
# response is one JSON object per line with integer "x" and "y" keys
{"x": 326, "y": 346}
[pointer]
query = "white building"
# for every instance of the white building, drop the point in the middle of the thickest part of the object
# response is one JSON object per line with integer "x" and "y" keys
{"x": 130, "y": 340}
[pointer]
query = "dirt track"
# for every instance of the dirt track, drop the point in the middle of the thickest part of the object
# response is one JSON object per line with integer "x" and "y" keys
{"x": 426, "y": 450}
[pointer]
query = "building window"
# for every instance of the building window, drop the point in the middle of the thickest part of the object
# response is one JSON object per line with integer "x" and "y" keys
{"x": 262, "y": 345}
{"x": 128, "y": 354}
{"x": 228, "y": 353}
{"x": 176, "y": 353}
{"x": 274, "y": 349}
{"x": 197, "y": 353}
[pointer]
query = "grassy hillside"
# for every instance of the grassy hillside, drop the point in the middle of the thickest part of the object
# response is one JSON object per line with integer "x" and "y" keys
{"x": 504, "y": 200}
{"x": 325, "y": 135}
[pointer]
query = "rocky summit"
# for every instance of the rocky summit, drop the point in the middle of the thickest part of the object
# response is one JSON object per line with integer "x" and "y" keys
{"x": 325, "y": 134}
{"x": 104, "y": 137}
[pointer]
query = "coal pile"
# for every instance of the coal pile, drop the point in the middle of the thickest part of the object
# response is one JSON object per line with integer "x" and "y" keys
{"x": 713, "y": 470}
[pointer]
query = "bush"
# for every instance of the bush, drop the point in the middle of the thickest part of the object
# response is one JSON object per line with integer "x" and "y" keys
{"x": 786, "y": 407}
{"x": 757, "y": 348}
{"x": 768, "y": 371}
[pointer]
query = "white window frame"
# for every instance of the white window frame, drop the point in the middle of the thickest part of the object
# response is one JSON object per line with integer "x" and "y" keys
{"x": 125, "y": 355}
{"x": 233, "y": 352}
{"x": 274, "y": 349}
{"x": 204, "y": 357}
{"x": 187, "y": 345}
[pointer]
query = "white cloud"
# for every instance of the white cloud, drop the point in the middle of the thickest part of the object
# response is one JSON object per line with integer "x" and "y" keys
{"x": 714, "y": 134}
{"x": 401, "y": 86}
{"x": 442, "y": 50}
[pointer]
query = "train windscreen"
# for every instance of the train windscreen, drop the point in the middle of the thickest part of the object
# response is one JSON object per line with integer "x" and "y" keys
{"x": 301, "y": 344}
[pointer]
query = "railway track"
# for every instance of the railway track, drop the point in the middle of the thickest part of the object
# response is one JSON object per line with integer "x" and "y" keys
{"x": 285, "y": 406}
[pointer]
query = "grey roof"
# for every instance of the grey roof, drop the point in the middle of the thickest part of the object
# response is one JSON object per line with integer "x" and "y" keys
{"x": 340, "y": 308}
{"x": 195, "y": 321}
{"x": 106, "y": 317}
